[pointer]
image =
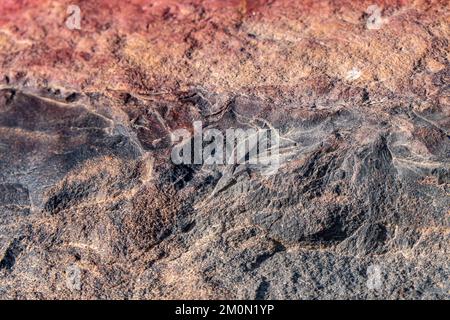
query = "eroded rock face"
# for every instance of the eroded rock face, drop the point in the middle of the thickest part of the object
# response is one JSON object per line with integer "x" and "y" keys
{"x": 91, "y": 205}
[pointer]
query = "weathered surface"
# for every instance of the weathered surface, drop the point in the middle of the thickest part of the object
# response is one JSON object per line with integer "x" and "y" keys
{"x": 358, "y": 209}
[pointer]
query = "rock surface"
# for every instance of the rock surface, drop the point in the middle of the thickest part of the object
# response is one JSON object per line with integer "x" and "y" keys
{"x": 91, "y": 205}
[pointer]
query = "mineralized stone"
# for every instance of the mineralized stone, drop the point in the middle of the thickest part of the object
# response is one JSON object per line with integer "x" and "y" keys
{"x": 92, "y": 205}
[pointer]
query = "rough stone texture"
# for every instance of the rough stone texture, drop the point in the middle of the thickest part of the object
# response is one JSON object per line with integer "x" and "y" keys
{"x": 88, "y": 191}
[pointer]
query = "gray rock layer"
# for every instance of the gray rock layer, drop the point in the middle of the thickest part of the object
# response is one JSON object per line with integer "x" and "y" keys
{"x": 91, "y": 205}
